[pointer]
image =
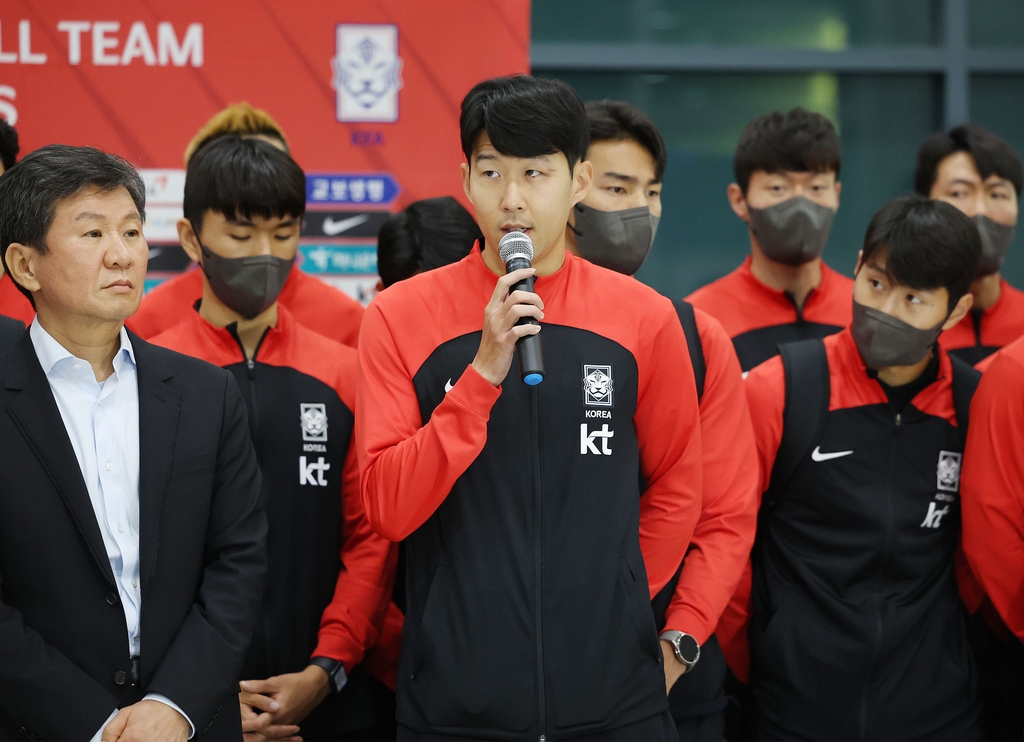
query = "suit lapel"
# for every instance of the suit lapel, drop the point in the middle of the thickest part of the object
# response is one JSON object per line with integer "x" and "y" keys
{"x": 36, "y": 415}
{"x": 158, "y": 424}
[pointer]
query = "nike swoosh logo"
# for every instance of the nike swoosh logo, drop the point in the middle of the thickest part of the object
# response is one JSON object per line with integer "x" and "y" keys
{"x": 332, "y": 228}
{"x": 817, "y": 455}
{"x": 448, "y": 386}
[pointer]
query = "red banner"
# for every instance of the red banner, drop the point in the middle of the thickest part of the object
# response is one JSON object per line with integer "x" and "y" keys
{"x": 367, "y": 93}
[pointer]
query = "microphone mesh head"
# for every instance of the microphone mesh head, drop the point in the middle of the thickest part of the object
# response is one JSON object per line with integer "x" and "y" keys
{"x": 515, "y": 243}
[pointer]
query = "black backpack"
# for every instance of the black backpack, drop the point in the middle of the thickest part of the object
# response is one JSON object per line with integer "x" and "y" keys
{"x": 661, "y": 601}
{"x": 807, "y": 398}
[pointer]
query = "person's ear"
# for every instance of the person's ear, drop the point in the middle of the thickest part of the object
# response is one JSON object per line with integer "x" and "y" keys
{"x": 839, "y": 190}
{"x": 583, "y": 177}
{"x": 21, "y": 262}
{"x": 860, "y": 260}
{"x": 737, "y": 201}
{"x": 189, "y": 240}
{"x": 464, "y": 167}
{"x": 959, "y": 311}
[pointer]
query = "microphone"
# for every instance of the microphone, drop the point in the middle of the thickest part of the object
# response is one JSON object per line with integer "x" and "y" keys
{"x": 516, "y": 251}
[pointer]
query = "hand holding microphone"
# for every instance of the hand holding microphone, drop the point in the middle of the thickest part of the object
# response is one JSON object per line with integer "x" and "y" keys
{"x": 511, "y": 317}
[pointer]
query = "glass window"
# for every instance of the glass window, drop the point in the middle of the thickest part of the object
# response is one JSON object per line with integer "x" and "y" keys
{"x": 997, "y": 103}
{"x": 996, "y": 23}
{"x": 808, "y": 24}
{"x": 882, "y": 120}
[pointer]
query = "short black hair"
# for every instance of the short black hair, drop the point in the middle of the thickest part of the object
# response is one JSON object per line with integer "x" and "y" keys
{"x": 991, "y": 154}
{"x": 525, "y": 116}
{"x": 242, "y": 177}
{"x": 798, "y": 141}
{"x": 620, "y": 121}
{"x": 8, "y": 145}
{"x": 33, "y": 188}
{"x": 930, "y": 244}
{"x": 425, "y": 235}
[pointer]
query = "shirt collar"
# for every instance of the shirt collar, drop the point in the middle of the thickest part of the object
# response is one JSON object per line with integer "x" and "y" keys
{"x": 50, "y": 352}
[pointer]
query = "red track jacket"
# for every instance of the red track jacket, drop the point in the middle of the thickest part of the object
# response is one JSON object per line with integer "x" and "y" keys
{"x": 993, "y": 485}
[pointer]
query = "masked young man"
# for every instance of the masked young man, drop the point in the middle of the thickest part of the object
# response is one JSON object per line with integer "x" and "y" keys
{"x": 322, "y": 308}
{"x": 981, "y": 175}
{"x": 857, "y": 629}
{"x": 329, "y": 575}
{"x": 787, "y": 191}
{"x": 614, "y": 226}
{"x": 532, "y": 556}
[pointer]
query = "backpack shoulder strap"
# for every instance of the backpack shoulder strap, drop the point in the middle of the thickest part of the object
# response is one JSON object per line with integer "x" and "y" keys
{"x": 965, "y": 382}
{"x": 803, "y": 420}
{"x": 689, "y": 322}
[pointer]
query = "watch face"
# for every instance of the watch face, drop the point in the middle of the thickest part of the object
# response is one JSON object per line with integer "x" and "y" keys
{"x": 688, "y": 648}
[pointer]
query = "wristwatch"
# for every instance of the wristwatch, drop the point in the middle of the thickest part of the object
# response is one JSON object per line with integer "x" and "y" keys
{"x": 685, "y": 647}
{"x": 335, "y": 671}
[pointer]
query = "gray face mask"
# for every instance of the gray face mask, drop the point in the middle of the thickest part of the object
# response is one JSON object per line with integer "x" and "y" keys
{"x": 617, "y": 240}
{"x": 995, "y": 242}
{"x": 247, "y": 285}
{"x": 884, "y": 340}
{"x": 792, "y": 232}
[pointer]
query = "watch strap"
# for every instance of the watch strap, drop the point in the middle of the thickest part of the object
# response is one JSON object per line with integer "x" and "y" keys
{"x": 335, "y": 670}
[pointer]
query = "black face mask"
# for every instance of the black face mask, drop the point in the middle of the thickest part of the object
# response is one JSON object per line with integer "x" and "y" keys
{"x": 247, "y": 285}
{"x": 995, "y": 243}
{"x": 793, "y": 232}
{"x": 617, "y": 240}
{"x": 883, "y": 340}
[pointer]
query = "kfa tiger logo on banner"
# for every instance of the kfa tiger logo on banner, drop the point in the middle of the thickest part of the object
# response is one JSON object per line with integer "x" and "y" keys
{"x": 367, "y": 73}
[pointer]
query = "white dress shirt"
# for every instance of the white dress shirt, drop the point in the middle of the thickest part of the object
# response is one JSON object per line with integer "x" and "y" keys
{"x": 102, "y": 421}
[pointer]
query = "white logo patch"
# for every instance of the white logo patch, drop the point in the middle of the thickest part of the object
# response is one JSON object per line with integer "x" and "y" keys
{"x": 313, "y": 418}
{"x": 367, "y": 72}
{"x": 598, "y": 386}
{"x": 448, "y": 386}
{"x": 306, "y": 472}
{"x": 934, "y": 517}
{"x": 817, "y": 455}
{"x": 587, "y": 440}
{"x": 948, "y": 473}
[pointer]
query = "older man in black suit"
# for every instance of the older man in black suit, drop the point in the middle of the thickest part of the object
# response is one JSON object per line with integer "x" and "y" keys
{"x": 132, "y": 536}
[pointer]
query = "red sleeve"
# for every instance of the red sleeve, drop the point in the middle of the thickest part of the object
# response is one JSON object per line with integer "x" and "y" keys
{"x": 351, "y": 622}
{"x": 766, "y": 396}
{"x": 667, "y": 423}
{"x": 724, "y": 534}
{"x": 382, "y": 659}
{"x": 407, "y": 468}
{"x": 992, "y": 489}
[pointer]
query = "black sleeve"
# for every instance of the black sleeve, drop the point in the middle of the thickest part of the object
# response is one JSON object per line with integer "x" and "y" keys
{"x": 35, "y": 679}
{"x": 202, "y": 664}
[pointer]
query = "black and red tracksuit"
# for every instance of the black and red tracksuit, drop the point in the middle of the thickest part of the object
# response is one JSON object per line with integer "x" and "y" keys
{"x": 724, "y": 534}
{"x": 531, "y": 555}
{"x": 857, "y": 630}
{"x": 993, "y": 485}
{"x": 759, "y": 318}
{"x": 984, "y": 331}
{"x": 329, "y": 575}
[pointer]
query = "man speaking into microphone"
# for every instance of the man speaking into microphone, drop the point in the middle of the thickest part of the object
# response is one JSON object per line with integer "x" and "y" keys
{"x": 531, "y": 555}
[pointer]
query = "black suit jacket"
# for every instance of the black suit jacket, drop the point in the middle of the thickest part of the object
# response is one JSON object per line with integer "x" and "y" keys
{"x": 64, "y": 653}
{"x": 11, "y": 331}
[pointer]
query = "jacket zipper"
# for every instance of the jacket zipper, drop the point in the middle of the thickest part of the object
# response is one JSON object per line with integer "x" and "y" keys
{"x": 255, "y": 432}
{"x": 882, "y": 564}
{"x": 250, "y": 364}
{"x": 538, "y": 560}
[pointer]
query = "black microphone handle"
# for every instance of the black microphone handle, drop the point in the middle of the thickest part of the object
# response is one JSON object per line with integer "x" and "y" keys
{"x": 528, "y": 348}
